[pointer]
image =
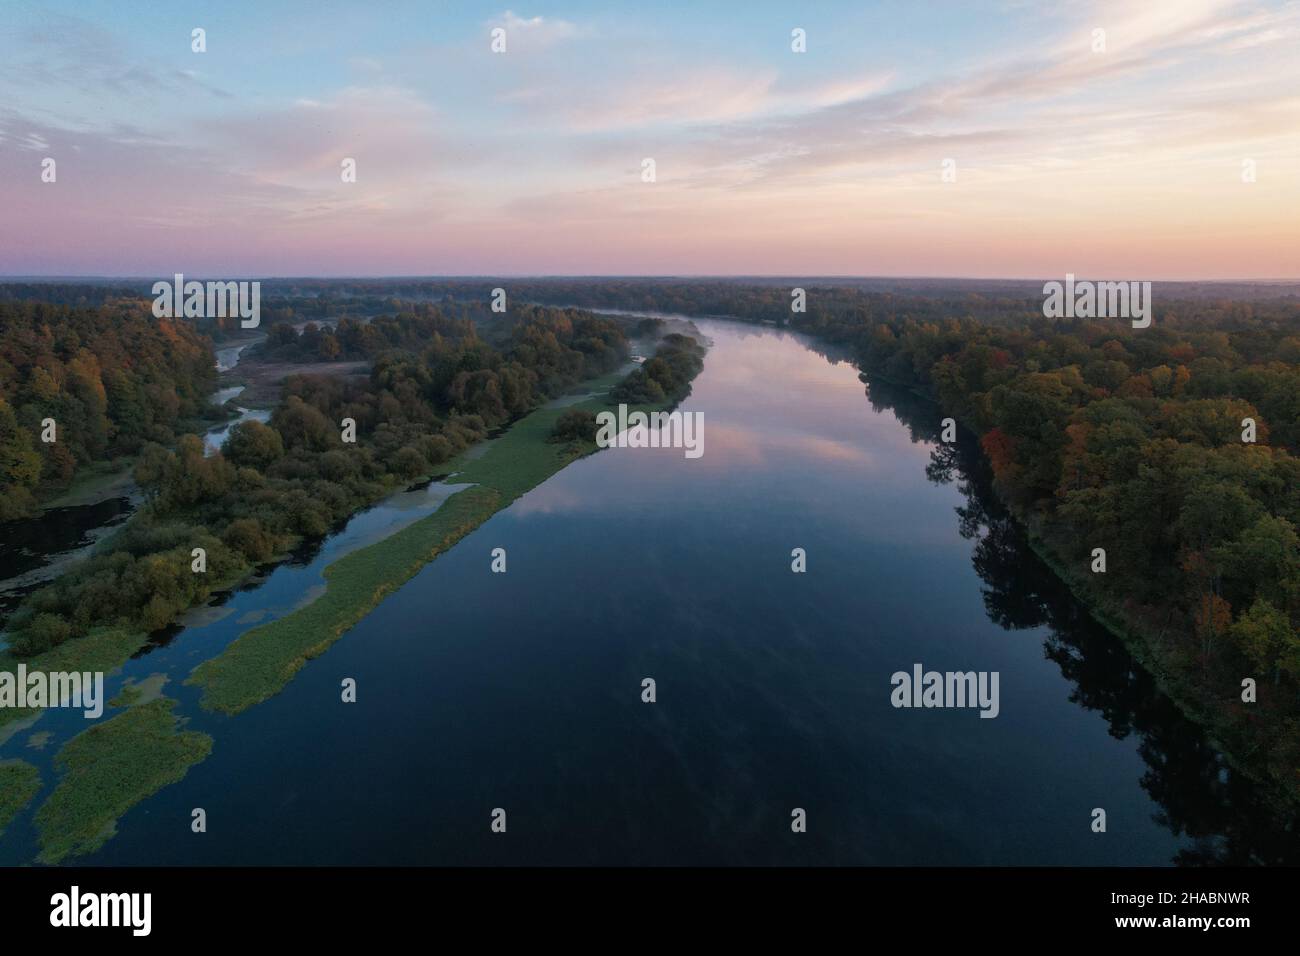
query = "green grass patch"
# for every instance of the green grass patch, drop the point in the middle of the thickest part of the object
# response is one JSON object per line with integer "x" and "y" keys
{"x": 110, "y": 768}
{"x": 523, "y": 458}
{"x": 102, "y": 649}
{"x": 258, "y": 664}
{"x": 129, "y": 696}
{"x": 19, "y": 782}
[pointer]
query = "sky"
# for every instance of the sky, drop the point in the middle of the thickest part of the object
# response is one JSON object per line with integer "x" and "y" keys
{"x": 1165, "y": 147}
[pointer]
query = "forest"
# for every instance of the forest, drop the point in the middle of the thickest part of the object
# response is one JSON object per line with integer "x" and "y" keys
{"x": 434, "y": 388}
{"x": 665, "y": 376}
{"x": 112, "y": 377}
{"x": 1139, "y": 443}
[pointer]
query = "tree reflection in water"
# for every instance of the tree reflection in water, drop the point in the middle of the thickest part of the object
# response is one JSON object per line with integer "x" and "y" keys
{"x": 1229, "y": 818}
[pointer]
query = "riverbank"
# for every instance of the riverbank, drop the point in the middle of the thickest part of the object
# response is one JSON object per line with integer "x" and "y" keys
{"x": 107, "y": 648}
{"x": 1233, "y": 728}
{"x": 1149, "y": 647}
{"x": 258, "y": 664}
{"x": 96, "y": 483}
{"x": 114, "y": 765}
{"x": 1151, "y": 651}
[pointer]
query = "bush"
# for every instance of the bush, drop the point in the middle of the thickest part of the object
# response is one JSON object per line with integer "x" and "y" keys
{"x": 408, "y": 463}
{"x": 246, "y": 536}
{"x": 43, "y": 633}
{"x": 253, "y": 445}
{"x": 577, "y": 424}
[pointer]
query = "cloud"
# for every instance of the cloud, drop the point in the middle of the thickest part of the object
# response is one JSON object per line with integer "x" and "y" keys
{"x": 670, "y": 93}
{"x": 473, "y": 162}
{"x": 1013, "y": 106}
{"x": 71, "y": 53}
{"x": 533, "y": 33}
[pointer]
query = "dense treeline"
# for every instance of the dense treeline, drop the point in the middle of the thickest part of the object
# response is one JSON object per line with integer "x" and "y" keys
{"x": 296, "y": 477}
{"x": 353, "y": 339}
{"x": 316, "y": 298}
{"x": 111, "y": 377}
{"x": 1136, "y": 442}
{"x": 769, "y": 299}
{"x": 664, "y": 377}
{"x": 1226, "y": 819}
{"x": 68, "y": 293}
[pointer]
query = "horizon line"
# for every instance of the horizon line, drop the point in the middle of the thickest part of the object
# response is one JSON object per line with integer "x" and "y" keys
{"x": 85, "y": 277}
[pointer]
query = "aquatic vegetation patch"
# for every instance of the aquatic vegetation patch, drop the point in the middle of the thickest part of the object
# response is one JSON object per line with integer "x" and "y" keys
{"x": 110, "y": 768}
{"x": 258, "y": 664}
{"x": 19, "y": 782}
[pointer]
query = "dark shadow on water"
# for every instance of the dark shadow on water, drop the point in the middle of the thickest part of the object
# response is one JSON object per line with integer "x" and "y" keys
{"x": 426, "y": 482}
{"x": 159, "y": 639}
{"x": 1230, "y": 818}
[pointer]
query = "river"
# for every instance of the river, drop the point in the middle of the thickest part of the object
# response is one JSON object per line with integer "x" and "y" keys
{"x": 522, "y": 690}
{"x": 215, "y": 438}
